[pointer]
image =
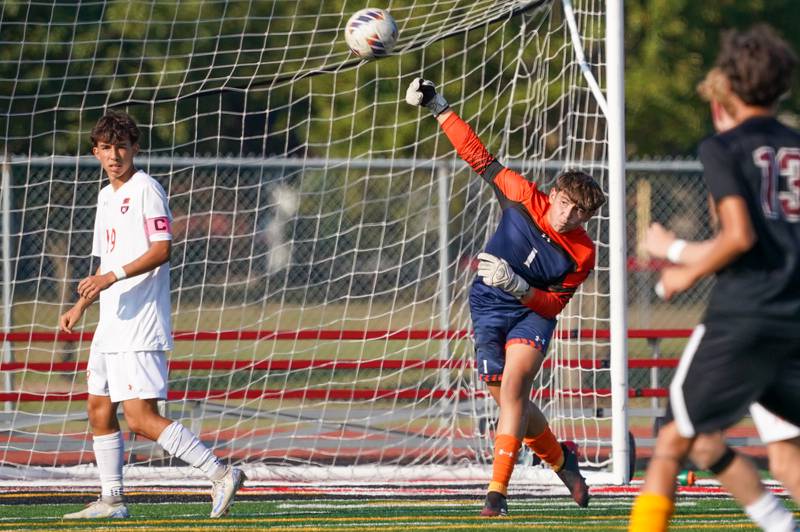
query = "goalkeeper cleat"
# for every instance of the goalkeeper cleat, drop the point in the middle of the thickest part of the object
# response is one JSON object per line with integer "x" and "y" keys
{"x": 101, "y": 509}
{"x": 224, "y": 490}
{"x": 571, "y": 476}
{"x": 495, "y": 505}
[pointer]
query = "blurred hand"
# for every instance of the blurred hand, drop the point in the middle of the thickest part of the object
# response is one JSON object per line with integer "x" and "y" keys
{"x": 674, "y": 280}
{"x": 657, "y": 240}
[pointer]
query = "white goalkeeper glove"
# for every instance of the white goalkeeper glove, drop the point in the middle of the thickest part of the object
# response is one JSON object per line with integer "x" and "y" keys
{"x": 496, "y": 272}
{"x": 423, "y": 93}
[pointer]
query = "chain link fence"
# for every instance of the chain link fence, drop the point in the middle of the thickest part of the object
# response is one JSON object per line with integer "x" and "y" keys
{"x": 673, "y": 194}
{"x": 248, "y": 232}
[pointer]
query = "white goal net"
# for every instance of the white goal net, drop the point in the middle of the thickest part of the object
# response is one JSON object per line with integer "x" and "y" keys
{"x": 325, "y": 231}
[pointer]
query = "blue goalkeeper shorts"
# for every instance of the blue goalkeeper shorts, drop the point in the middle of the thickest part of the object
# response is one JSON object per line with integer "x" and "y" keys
{"x": 495, "y": 329}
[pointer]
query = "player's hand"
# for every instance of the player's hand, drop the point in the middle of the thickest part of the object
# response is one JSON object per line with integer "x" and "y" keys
{"x": 91, "y": 287}
{"x": 70, "y": 318}
{"x": 657, "y": 240}
{"x": 674, "y": 280}
{"x": 423, "y": 93}
{"x": 496, "y": 272}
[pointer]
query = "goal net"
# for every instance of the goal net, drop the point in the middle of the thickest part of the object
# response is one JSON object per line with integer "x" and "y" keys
{"x": 325, "y": 232}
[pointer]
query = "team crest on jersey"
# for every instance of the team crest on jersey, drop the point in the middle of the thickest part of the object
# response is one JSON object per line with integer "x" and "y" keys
{"x": 125, "y": 204}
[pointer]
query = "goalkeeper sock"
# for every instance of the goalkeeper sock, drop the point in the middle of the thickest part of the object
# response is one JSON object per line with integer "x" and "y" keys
{"x": 506, "y": 448}
{"x": 178, "y": 441}
{"x": 651, "y": 513}
{"x": 109, "y": 451}
{"x": 546, "y": 447}
{"x": 769, "y": 514}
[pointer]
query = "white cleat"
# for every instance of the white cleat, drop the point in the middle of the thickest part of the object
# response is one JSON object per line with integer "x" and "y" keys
{"x": 224, "y": 490}
{"x": 101, "y": 509}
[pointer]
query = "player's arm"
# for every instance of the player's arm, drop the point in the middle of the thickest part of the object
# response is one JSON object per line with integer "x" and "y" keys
{"x": 547, "y": 303}
{"x": 661, "y": 243}
{"x": 736, "y": 236}
{"x": 156, "y": 255}
{"x": 469, "y": 147}
{"x": 70, "y": 318}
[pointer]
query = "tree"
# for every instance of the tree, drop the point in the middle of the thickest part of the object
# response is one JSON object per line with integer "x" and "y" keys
{"x": 670, "y": 45}
{"x": 62, "y": 64}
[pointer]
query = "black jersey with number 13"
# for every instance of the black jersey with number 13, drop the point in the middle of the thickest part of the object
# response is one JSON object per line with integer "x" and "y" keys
{"x": 759, "y": 160}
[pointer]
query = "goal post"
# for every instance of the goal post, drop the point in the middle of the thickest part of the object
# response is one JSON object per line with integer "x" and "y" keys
{"x": 618, "y": 286}
{"x": 325, "y": 232}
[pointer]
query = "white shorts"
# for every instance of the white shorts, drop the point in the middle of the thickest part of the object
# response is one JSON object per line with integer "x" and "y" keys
{"x": 128, "y": 375}
{"x": 772, "y": 428}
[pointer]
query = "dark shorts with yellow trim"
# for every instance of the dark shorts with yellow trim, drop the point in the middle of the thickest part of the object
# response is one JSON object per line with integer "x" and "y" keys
{"x": 496, "y": 329}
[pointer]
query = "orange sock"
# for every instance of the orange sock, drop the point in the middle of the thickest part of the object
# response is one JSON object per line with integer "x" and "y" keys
{"x": 546, "y": 447}
{"x": 506, "y": 448}
{"x": 651, "y": 513}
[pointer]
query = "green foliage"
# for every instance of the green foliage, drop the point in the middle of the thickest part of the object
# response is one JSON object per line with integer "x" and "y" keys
{"x": 670, "y": 44}
{"x": 62, "y": 63}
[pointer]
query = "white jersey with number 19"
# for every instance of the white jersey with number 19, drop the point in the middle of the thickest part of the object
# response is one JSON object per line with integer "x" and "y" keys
{"x": 135, "y": 313}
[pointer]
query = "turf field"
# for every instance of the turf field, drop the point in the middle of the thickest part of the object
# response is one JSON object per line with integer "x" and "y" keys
{"x": 344, "y": 508}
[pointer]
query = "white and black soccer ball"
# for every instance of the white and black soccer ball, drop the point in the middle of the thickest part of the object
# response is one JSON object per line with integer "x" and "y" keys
{"x": 371, "y": 32}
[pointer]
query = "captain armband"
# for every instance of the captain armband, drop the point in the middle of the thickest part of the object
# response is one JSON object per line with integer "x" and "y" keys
{"x": 157, "y": 226}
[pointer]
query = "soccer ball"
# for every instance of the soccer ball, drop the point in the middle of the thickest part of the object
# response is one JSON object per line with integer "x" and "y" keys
{"x": 370, "y": 32}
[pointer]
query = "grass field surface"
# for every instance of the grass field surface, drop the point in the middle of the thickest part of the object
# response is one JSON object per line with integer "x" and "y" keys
{"x": 343, "y": 508}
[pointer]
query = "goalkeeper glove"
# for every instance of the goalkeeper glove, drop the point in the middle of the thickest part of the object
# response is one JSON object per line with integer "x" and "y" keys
{"x": 423, "y": 93}
{"x": 496, "y": 272}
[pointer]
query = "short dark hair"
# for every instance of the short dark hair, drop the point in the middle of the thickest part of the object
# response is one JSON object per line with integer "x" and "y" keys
{"x": 115, "y": 127}
{"x": 582, "y": 189}
{"x": 758, "y": 64}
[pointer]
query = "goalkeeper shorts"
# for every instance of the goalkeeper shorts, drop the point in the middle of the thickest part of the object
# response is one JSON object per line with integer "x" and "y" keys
{"x": 494, "y": 330}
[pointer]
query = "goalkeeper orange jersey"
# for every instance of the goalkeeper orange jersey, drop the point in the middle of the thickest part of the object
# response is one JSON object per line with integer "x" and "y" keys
{"x": 553, "y": 263}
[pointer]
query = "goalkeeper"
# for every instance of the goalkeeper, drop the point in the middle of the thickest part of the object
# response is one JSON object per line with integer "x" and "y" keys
{"x": 534, "y": 262}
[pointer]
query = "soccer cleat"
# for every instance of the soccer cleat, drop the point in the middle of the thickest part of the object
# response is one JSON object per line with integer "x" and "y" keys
{"x": 571, "y": 476}
{"x": 101, "y": 509}
{"x": 224, "y": 490}
{"x": 495, "y": 505}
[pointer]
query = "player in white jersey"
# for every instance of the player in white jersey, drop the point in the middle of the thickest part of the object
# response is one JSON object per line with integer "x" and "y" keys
{"x": 128, "y": 363}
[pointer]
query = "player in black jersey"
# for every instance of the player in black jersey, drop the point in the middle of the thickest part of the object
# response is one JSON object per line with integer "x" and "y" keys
{"x": 748, "y": 347}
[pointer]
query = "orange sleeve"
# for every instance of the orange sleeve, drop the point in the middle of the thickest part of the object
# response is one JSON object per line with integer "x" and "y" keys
{"x": 470, "y": 148}
{"x": 512, "y": 185}
{"x": 467, "y": 144}
{"x": 549, "y": 302}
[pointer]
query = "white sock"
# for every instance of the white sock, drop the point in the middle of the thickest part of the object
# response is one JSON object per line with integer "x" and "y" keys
{"x": 770, "y": 514}
{"x": 181, "y": 443}
{"x": 109, "y": 452}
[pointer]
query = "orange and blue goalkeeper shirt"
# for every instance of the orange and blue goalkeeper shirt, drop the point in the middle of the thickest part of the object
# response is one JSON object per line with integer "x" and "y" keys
{"x": 553, "y": 263}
